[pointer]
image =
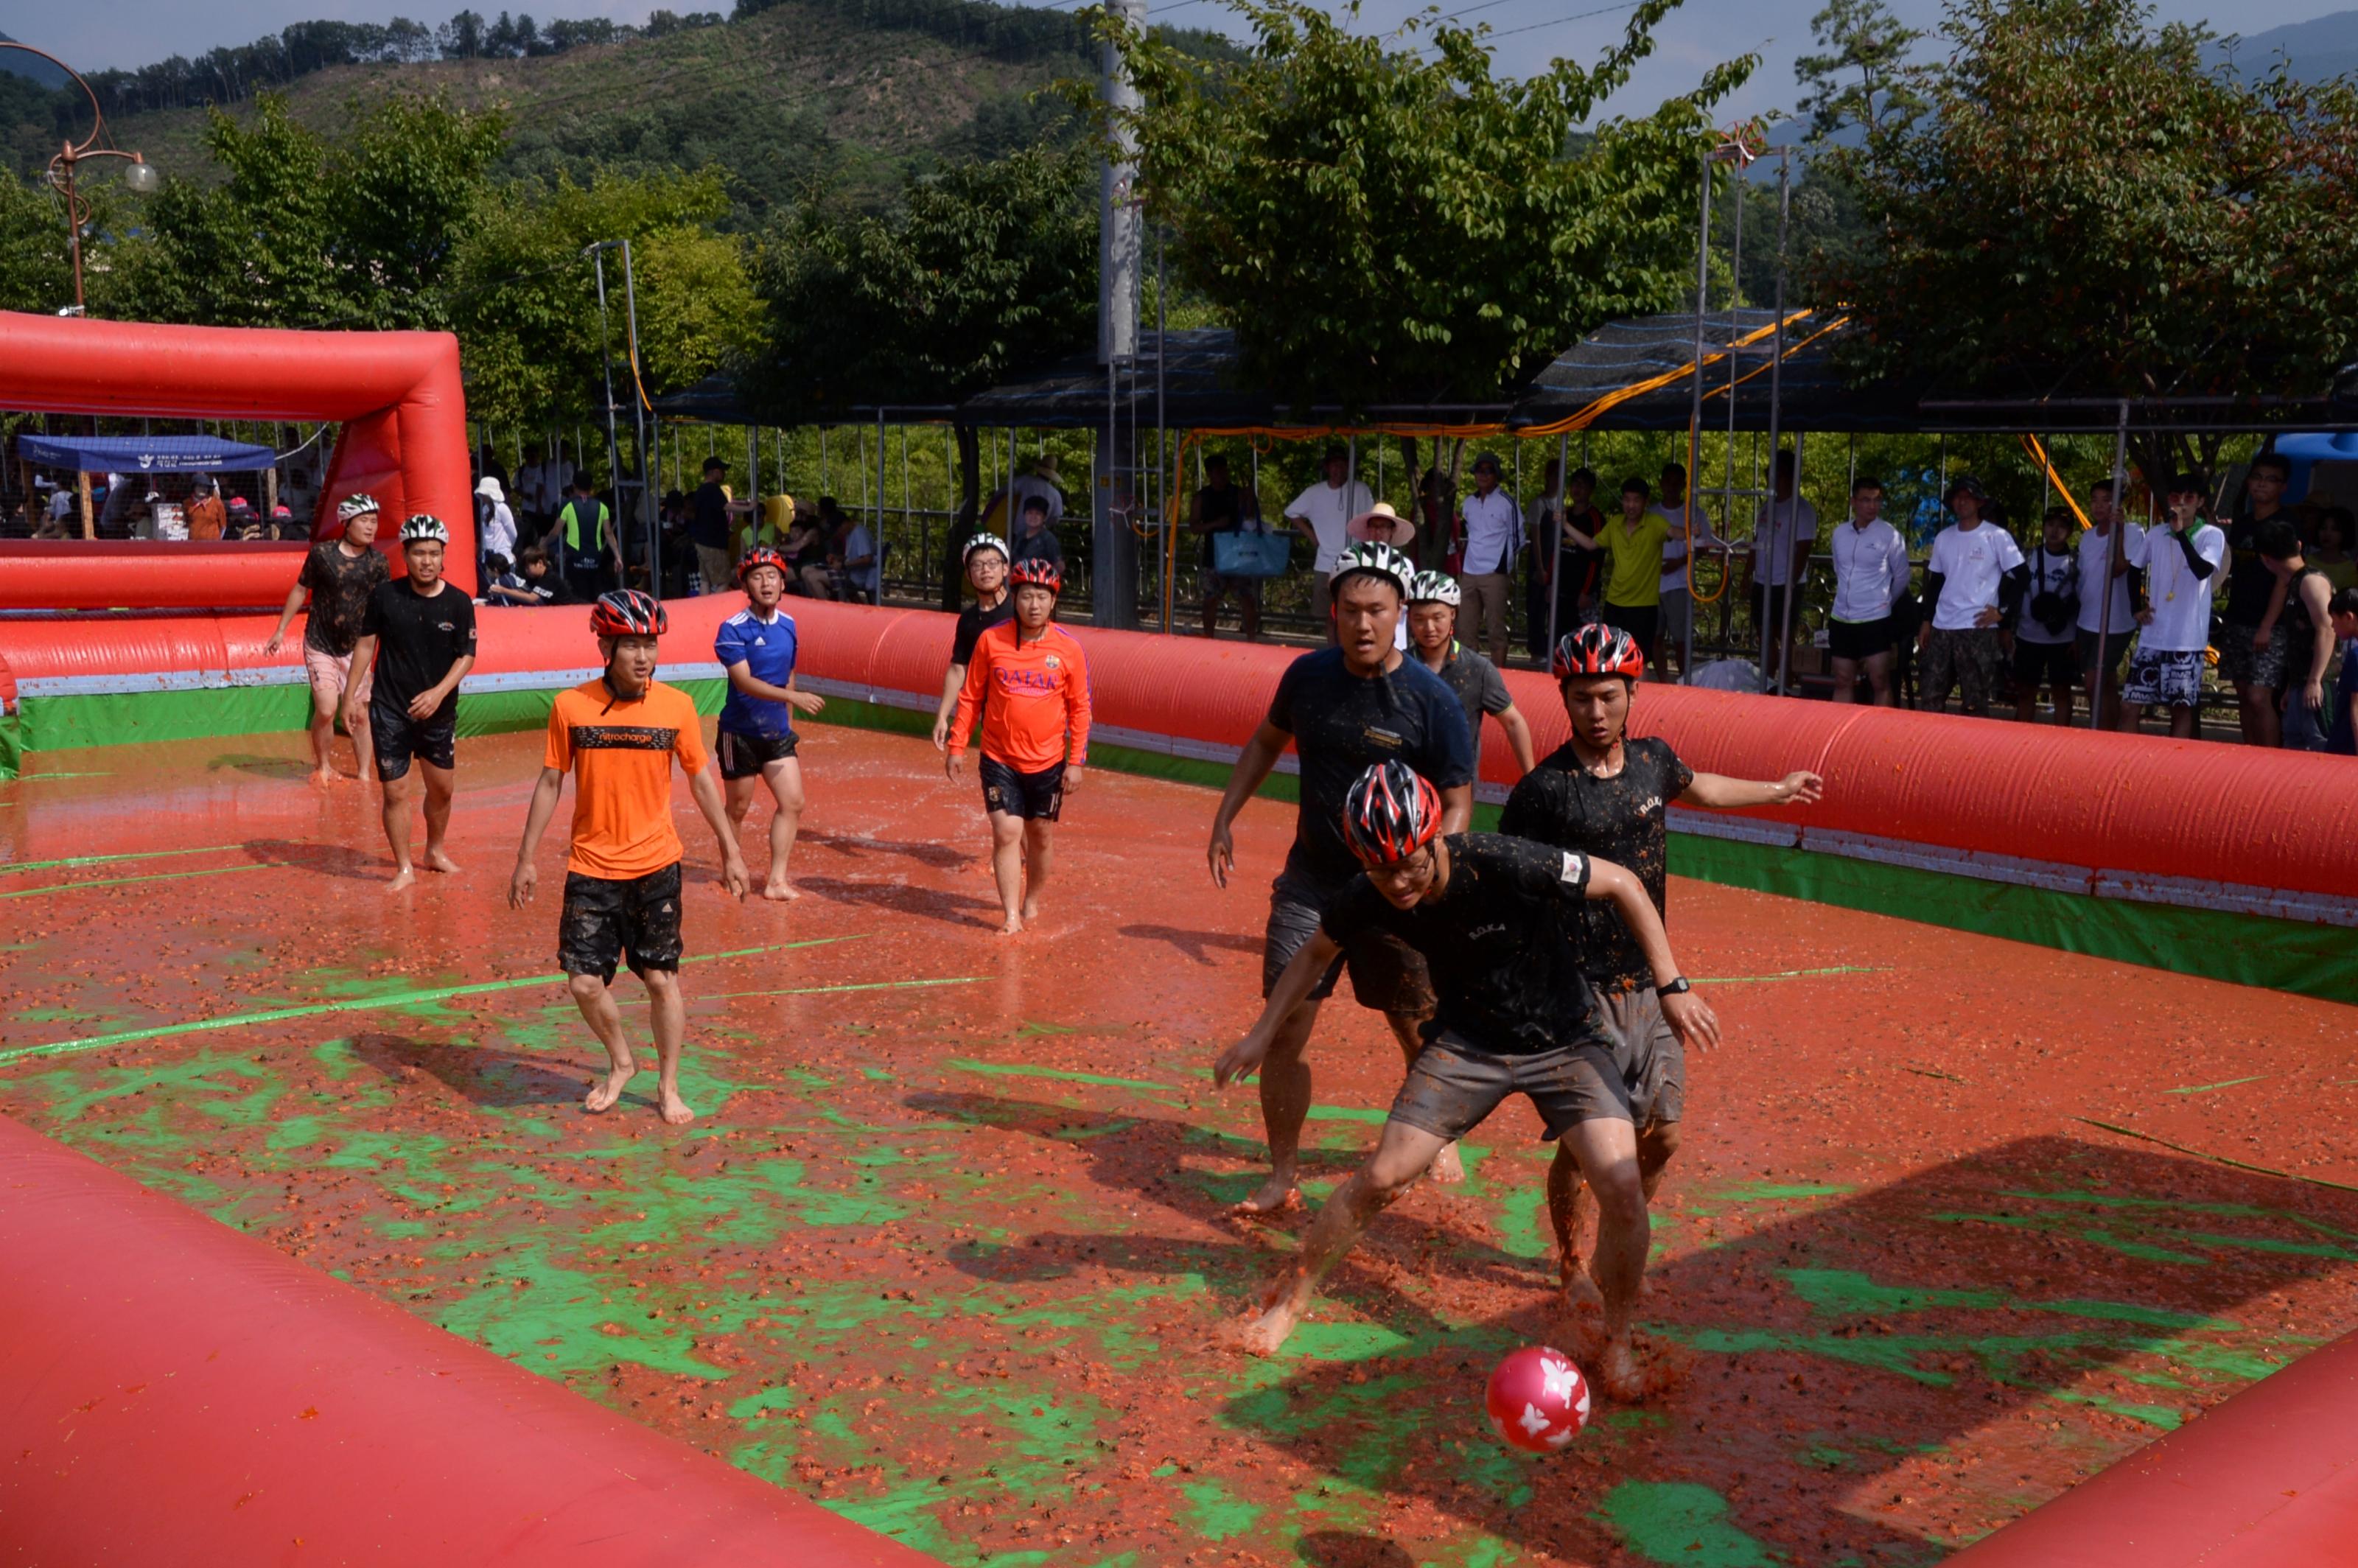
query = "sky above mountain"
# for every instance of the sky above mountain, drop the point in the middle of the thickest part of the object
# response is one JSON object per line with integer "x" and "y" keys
{"x": 100, "y": 33}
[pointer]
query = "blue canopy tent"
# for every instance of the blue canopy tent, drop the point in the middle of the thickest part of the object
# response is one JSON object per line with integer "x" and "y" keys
{"x": 141, "y": 455}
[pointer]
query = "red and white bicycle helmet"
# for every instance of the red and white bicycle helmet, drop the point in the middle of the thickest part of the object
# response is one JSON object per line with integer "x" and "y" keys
{"x": 761, "y": 556}
{"x": 1598, "y": 649}
{"x": 1389, "y": 813}
{"x": 1035, "y": 571}
{"x": 627, "y": 612}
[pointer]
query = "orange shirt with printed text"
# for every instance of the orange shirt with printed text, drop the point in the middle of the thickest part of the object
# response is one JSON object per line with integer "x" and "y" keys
{"x": 1039, "y": 695}
{"x": 619, "y": 754}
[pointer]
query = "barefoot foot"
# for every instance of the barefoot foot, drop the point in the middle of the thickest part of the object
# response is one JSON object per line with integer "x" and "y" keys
{"x": 1274, "y": 1196}
{"x": 402, "y": 879}
{"x": 1031, "y": 910}
{"x": 1011, "y": 926}
{"x": 1446, "y": 1167}
{"x": 439, "y": 860}
{"x": 673, "y": 1109}
{"x": 1619, "y": 1374}
{"x": 323, "y": 777}
{"x": 777, "y": 890}
{"x": 1579, "y": 1288}
{"x": 608, "y": 1089}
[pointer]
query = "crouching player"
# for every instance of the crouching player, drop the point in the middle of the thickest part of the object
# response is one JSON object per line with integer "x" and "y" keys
{"x": 618, "y": 735}
{"x": 1514, "y": 1016}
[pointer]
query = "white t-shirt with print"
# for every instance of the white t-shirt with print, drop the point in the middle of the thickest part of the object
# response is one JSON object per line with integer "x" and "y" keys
{"x": 1326, "y": 508}
{"x": 2095, "y": 560}
{"x": 1674, "y": 578}
{"x": 1490, "y": 523}
{"x": 2052, "y": 574}
{"x": 1782, "y": 525}
{"x": 2180, "y": 601}
{"x": 1970, "y": 561}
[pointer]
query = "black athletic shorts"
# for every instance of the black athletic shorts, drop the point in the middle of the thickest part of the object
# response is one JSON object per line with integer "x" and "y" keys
{"x": 608, "y": 921}
{"x": 2115, "y": 647}
{"x": 1859, "y": 641}
{"x": 1454, "y": 1085}
{"x": 1031, "y": 797}
{"x": 744, "y": 756}
{"x": 396, "y": 738}
{"x": 1387, "y": 974}
{"x": 2040, "y": 664}
{"x": 1642, "y": 622}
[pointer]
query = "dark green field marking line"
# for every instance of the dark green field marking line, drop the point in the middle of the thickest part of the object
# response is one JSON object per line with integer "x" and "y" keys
{"x": 2222, "y": 1084}
{"x": 151, "y": 877}
{"x": 358, "y": 1004}
{"x": 38, "y": 778}
{"x": 1930, "y": 1073}
{"x": 2216, "y": 1159}
{"x": 1784, "y": 975}
{"x": 14, "y": 867}
{"x": 827, "y": 991}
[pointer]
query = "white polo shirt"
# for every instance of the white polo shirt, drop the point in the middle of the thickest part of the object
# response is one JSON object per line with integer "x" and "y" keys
{"x": 1491, "y": 523}
{"x": 1970, "y": 563}
{"x": 1870, "y": 571}
{"x": 1326, "y": 508}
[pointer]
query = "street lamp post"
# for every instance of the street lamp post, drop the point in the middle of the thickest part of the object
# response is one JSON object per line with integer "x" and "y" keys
{"x": 140, "y": 176}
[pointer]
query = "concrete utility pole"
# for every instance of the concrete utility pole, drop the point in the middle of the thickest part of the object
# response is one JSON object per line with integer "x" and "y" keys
{"x": 1117, "y": 215}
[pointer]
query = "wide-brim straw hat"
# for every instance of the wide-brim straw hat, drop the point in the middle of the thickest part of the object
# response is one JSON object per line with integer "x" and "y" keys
{"x": 1397, "y": 529}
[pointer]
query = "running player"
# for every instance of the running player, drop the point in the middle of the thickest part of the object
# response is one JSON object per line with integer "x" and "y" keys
{"x": 618, "y": 734}
{"x": 418, "y": 633}
{"x": 1433, "y": 601}
{"x": 1343, "y": 708}
{"x": 757, "y": 741}
{"x": 1513, "y": 1015}
{"x": 339, "y": 575}
{"x": 986, "y": 570}
{"x": 1604, "y": 795}
{"x": 1035, "y": 735}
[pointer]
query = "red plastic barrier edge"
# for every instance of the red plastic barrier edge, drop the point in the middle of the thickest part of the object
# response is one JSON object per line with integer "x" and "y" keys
{"x": 2143, "y": 806}
{"x": 176, "y": 1391}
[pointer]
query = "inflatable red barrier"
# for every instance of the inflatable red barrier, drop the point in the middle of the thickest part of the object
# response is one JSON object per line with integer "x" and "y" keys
{"x": 2268, "y": 1479}
{"x": 396, "y": 395}
{"x": 178, "y": 1392}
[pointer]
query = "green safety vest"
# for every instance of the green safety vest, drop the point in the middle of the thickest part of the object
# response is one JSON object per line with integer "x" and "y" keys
{"x": 573, "y": 517}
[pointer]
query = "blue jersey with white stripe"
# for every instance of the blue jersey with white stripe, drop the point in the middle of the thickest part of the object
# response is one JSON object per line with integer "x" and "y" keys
{"x": 767, "y": 649}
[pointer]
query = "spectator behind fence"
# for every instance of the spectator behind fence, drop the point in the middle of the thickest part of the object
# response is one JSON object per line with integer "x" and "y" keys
{"x": 530, "y": 581}
{"x": 1225, "y": 507}
{"x": 1320, "y": 514}
{"x": 1043, "y": 484}
{"x": 2045, "y": 633}
{"x": 579, "y": 539}
{"x": 1784, "y": 531}
{"x": 2181, "y": 559}
{"x": 1558, "y": 569}
{"x": 1490, "y": 528}
{"x": 708, "y": 529}
{"x": 2341, "y": 611}
{"x": 1630, "y": 552}
{"x": 2106, "y": 620}
{"x": 2254, "y": 645}
{"x": 1973, "y": 583}
{"x": 1677, "y": 596}
{"x": 2309, "y": 620}
{"x": 1036, "y": 537}
{"x": 205, "y": 515}
{"x": 1871, "y": 597}
{"x": 846, "y": 568}
{"x": 2329, "y": 548}
{"x": 495, "y": 522}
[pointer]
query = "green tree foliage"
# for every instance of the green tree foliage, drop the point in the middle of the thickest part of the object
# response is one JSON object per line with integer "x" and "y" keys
{"x": 36, "y": 274}
{"x": 1861, "y": 78}
{"x": 983, "y": 268}
{"x": 1387, "y": 221}
{"x": 523, "y": 298}
{"x": 2088, "y": 205}
{"x": 356, "y": 232}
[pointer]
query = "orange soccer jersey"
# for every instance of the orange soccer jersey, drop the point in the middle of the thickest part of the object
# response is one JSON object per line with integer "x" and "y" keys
{"x": 1039, "y": 692}
{"x": 619, "y": 755}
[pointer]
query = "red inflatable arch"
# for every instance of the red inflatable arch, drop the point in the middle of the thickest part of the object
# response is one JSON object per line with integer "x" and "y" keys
{"x": 396, "y": 395}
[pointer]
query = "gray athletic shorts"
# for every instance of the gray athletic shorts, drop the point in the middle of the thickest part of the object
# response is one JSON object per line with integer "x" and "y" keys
{"x": 1387, "y": 974}
{"x": 1653, "y": 1063}
{"x": 1454, "y": 1085}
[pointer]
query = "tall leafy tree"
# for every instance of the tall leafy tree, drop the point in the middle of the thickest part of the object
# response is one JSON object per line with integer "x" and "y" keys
{"x": 36, "y": 270}
{"x": 1861, "y": 78}
{"x": 1385, "y": 221}
{"x": 2090, "y": 204}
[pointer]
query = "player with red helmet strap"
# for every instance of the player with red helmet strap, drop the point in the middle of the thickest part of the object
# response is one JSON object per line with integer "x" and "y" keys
{"x": 418, "y": 636}
{"x": 1602, "y": 794}
{"x": 618, "y": 735}
{"x": 1035, "y": 734}
{"x": 757, "y": 741}
{"x": 1512, "y": 1015}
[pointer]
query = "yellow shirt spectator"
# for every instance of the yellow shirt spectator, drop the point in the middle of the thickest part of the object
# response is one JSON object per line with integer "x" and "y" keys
{"x": 1633, "y": 559}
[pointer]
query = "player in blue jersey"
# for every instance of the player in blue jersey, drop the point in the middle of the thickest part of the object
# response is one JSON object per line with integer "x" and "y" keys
{"x": 756, "y": 646}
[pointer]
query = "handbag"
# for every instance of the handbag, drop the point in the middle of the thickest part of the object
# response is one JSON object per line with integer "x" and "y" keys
{"x": 1259, "y": 555}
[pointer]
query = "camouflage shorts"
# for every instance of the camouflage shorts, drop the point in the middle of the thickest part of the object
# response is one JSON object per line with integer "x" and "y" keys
{"x": 606, "y": 921}
{"x": 1968, "y": 661}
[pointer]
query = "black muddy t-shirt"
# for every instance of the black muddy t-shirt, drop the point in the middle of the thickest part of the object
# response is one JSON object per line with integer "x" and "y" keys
{"x": 1494, "y": 943}
{"x": 418, "y": 638}
{"x": 1344, "y": 724}
{"x": 1620, "y": 820}
{"x": 973, "y": 621}
{"x": 341, "y": 585}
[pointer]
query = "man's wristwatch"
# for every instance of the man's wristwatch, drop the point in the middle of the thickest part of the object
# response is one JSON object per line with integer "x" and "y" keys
{"x": 1679, "y": 986}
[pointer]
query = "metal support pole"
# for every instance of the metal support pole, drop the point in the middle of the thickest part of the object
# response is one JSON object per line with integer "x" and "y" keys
{"x": 1169, "y": 553}
{"x": 2104, "y": 670}
{"x": 606, "y": 365}
{"x": 645, "y": 499}
{"x": 878, "y": 542}
{"x": 1776, "y": 411}
{"x": 1694, "y": 417}
{"x": 1555, "y": 545}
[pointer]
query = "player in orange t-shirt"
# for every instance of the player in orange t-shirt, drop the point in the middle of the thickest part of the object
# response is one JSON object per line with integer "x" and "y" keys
{"x": 1037, "y": 681}
{"x": 618, "y": 735}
